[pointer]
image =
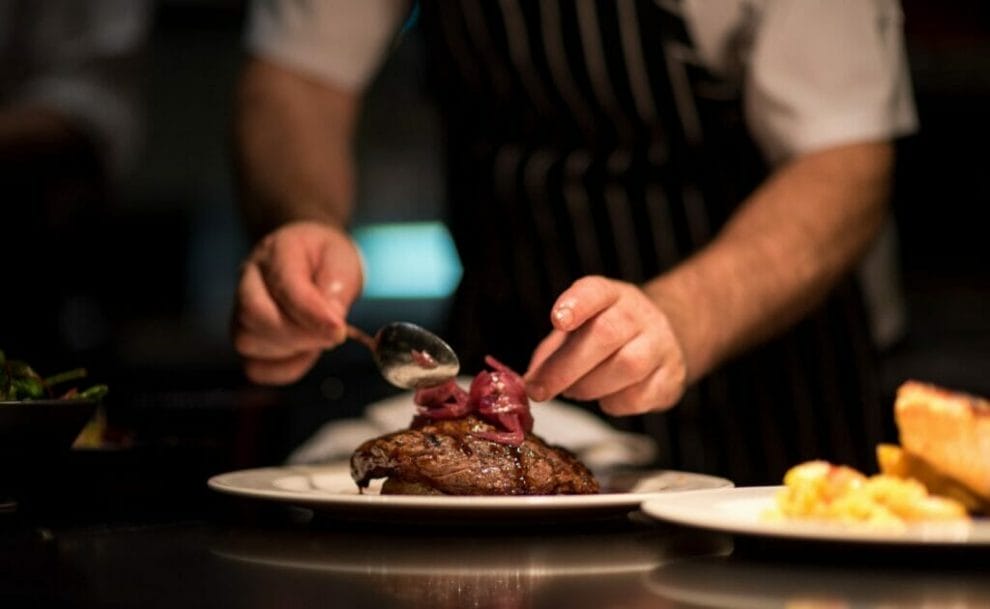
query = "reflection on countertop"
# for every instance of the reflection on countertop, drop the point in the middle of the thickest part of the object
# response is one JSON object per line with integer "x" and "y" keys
{"x": 720, "y": 583}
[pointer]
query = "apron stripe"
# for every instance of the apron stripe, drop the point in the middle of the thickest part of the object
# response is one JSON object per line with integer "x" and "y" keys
{"x": 522, "y": 58}
{"x": 536, "y": 178}
{"x": 588, "y": 248}
{"x": 475, "y": 20}
{"x": 658, "y": 209}
{"x": 677, "y": 56}
{"x": 464, "y": 56}
{"x": 696, "y": 214}
{"x": 620, "y": 216}
{"x": 632, "y": 47}
{"x": 671, "y": 6}
{"x": 804, "y": 428}
{"x": 594, "y": 57}
{"x": 529, "y": 288}
{"x": 560, "y": 70}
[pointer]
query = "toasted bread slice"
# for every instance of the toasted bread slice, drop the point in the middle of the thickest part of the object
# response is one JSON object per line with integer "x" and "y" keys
{"x": 947, "y": 430}
{"x": 895, "y": 461}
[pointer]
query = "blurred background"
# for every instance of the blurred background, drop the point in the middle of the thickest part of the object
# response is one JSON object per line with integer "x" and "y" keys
{"x": 139, "y": 288}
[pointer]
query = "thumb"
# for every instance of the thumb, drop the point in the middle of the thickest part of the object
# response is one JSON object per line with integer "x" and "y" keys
{"x": 339, "y": 278}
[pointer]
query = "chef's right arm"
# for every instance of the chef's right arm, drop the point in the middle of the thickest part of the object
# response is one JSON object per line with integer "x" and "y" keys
{"x": 297, "y": 104}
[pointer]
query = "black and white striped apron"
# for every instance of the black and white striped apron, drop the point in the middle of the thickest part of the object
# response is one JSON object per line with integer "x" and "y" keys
{"x": 585, "y": 137}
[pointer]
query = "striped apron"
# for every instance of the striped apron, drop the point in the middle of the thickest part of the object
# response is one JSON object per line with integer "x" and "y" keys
{"x": 586, "y": 137}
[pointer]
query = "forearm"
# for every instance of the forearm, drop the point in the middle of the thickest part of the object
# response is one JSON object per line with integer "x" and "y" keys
{"x": 786, "y": 247}
{"x": 293, "y": 152}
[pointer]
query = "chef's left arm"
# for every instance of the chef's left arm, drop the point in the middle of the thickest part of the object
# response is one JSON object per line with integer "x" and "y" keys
{"x": 826, "y": 93}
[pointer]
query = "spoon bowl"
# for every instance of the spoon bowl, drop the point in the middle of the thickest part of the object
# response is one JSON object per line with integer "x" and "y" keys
{"x": 410, "y": 356}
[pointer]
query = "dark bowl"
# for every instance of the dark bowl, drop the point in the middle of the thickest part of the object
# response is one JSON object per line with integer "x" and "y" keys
{"x": 39, "y": 431}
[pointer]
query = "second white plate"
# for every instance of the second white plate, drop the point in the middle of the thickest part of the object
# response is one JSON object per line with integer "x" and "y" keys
{"x": 739, "y": 510}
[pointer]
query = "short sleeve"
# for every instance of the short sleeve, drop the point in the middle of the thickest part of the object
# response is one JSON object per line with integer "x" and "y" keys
{"x": 342, "y": 42}
{"x": 822, "y": 73}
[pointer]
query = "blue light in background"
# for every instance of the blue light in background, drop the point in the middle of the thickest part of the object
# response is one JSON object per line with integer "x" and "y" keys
{"x": 412, "y": 260}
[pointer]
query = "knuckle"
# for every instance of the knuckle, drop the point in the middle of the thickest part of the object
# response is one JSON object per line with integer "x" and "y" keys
{"x": 668, "y": 389}
{"x": 267, "y": 373}
{"x": 665, "y": 400}
{"x": 243, "y": 343}
{"x": 636, "y": 361}
{"x": 258, "y": 373}
{"x": 626, "y": 366}
{"x": 637, "y": 398}
{"x": 675, "y": 373}
{"x": 616, "y": 405}
{"x": 607, "y": 331}
{"x": 654, "y": 393}
{"x": 249, "y": 310}
{"x": 594, "y": 283}
{"x": 608, "y": 406}
{"x": 555, "y": 383}
{"x": 578, "y": 392}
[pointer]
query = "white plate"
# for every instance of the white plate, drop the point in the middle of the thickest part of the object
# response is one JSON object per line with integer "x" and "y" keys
{"x": 739, "y": 510}
{"x": 331, "y": 488}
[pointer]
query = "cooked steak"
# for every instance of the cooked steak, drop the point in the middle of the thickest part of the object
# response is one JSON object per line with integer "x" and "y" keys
{"x": 449, "y": 457}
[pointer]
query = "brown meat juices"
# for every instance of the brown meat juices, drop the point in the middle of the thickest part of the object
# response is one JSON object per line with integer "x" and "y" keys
{"x": 476, "y": 442}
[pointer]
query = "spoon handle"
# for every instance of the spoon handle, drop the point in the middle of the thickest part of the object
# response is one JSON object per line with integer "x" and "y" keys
{"x": 361, "y": 337}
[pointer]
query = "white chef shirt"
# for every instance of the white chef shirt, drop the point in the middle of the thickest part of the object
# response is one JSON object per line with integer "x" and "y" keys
{"x": 814, "y": 73}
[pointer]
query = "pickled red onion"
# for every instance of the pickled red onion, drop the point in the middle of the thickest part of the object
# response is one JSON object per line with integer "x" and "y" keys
{"x": 497, "y": 396}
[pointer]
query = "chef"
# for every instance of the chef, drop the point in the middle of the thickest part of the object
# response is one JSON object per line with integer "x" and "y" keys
{"x": 659, "y": 205}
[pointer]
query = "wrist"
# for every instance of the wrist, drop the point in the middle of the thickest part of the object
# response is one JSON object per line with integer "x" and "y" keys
{"x": 684, "y": 299}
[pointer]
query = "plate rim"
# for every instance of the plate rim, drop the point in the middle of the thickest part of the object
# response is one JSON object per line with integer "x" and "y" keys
{"x": 673, "y": 510}
{"x": 475, "y": 503}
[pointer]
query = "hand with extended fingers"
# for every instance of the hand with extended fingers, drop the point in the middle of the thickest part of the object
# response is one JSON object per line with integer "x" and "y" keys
{"x": 610, "y": 343}
{"x": 295, "y": 290}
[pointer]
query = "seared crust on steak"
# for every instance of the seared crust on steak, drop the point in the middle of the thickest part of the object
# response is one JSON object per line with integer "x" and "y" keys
{"x": 446, "y": 457}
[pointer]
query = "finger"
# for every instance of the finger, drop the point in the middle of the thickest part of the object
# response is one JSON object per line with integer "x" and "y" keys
{"x": 287, "y": 344}
{"x": 630, "y": 365}
{"x": 585, "y": 298}
{"x": 256, "y": 310}
{"x": 659, "y": 391}
{"x": 582, "y": 350}
{"x": 288, "y": 275}
{"x": 543, "y": 350}
{"x": 280, "y": 371}
{"x": 261, "y": 331}
{"x": 339, "y": 281}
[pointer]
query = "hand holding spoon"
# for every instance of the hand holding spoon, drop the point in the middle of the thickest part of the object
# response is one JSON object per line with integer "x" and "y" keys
{"x": 409, "y": 356}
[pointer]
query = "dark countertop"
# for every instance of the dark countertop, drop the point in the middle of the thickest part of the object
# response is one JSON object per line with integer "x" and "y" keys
{"x": 133, "y": 528}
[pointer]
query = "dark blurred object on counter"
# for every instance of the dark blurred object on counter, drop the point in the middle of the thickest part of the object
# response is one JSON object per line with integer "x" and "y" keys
{"x": 70, "y": 118}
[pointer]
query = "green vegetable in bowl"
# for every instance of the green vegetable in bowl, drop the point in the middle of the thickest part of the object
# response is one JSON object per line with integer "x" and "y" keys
{"x": 19, "y": 381}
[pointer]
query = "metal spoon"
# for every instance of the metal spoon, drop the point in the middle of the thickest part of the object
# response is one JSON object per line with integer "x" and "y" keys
{"x": 409, "y": 356}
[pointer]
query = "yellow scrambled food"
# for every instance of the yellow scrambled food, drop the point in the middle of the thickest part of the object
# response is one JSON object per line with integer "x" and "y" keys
{"x": 819, "y": 490}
